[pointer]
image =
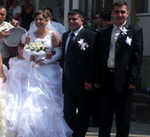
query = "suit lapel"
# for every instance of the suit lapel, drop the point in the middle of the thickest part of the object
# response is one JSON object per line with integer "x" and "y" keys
{"x": 78, "y": 36}
{"x": 75, "y": 40}
{"x": 108, "y": 36}
{"x": 121, "y": 35}
{"x": 64, "y": 43}
{"x": 65, "y": 38}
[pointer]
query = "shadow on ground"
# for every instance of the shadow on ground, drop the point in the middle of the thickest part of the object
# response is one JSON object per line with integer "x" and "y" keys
{"x": 141, "y": 107}
{"x": 140, "y": 118}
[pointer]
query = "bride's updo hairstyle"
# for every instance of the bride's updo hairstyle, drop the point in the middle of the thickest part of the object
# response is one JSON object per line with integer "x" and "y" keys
{"x": 48, "y": 12}
{"x": 45, "y": 13}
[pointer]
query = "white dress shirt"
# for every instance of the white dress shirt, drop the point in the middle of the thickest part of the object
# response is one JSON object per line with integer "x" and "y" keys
{"x": 69, "y": 35}
{"x": 3, "y": 49}
{"x": 114, "y": 36}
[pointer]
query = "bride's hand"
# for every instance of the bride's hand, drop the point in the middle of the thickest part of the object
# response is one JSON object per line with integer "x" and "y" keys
{"x": 40, "y": 62}
{"x": 49, "y": 55}
{"x": 32, "y": 58}
{"x": 4, "y": 78}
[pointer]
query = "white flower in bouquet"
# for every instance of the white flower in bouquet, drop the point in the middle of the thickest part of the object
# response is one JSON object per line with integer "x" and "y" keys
{"x": 36, "y": 46}
{"x": 37, "y": 49}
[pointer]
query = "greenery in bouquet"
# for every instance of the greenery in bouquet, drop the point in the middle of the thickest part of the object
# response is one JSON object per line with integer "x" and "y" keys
{"x": 36, "y": 46}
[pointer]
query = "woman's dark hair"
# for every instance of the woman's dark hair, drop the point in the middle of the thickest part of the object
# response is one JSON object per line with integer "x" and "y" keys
{"x": 21, "y": 44}
{"x": 16, "y": 0}
{"x": 44, "y": 12}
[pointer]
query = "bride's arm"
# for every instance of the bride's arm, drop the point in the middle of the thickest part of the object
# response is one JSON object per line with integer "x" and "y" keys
{"x": 55, "y": 40}
{"x": 2, "y": 75}
{"x": 57, "y": 48}
{"x": 27, "y": 40}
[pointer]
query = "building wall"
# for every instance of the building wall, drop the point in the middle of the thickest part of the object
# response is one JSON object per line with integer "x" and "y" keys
{"x": 145, "y": 72}
{"x": 144, "y": 22}
{"x": 52, "y": 4}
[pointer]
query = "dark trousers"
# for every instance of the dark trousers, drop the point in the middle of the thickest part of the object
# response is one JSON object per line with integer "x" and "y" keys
{"x": 78, "y": 123}
{"x": 111, "y": 101}
{"x": 94, "y": 106}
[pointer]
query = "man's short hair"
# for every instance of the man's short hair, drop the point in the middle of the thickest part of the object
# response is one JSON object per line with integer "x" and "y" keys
{"x": 120, "y": 4}
{"x": 2, "y": 7}
{"x": 105, "y": 15}
{"x": 76, "y": 11}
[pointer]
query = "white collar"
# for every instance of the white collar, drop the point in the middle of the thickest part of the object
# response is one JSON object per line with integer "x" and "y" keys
{"x": 2, "y": 24}
{"x": 119, "y": 27}
{"x": 76, "y": 32}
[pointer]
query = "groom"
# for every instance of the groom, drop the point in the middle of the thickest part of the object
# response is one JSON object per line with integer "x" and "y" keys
{"x": 119, "y": 61}
{"x": 77, "y": 64}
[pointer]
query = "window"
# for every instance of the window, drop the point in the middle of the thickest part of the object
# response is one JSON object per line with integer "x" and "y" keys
{"x": 105, "y": 5}
{"x": 142, "y": 6}
{"x": 93, "y": 8}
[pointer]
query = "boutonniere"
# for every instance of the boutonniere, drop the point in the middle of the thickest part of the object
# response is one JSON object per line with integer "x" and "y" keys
{"x": 83, "y": 45}
{"x": 129, "y": 40}
{"x": 123, "y": 31}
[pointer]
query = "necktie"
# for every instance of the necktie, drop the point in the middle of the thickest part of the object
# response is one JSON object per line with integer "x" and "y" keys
{"x": 71, "y": 40}
{"x": 69, "y": 45}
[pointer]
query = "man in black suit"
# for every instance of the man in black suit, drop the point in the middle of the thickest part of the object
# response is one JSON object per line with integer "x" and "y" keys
{"x": 104, "y": 19}
{"x": 77, "y": 64}
{"x": 118, "y": 66}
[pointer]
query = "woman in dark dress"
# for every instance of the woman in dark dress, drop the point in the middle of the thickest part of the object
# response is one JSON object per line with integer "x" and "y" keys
{"x": 27, "y": 14}
{"x": 8, "y": 5}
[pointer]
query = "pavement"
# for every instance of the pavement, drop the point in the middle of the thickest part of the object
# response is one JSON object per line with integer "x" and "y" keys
{"x": 140, "y": 118}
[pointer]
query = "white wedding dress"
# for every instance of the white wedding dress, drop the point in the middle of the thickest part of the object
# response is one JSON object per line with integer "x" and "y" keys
{"x": 3, "y": 103}
{"x": 35, "y": 100}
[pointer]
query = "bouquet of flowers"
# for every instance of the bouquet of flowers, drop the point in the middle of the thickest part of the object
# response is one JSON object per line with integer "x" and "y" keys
{"x": 36, "y": 48}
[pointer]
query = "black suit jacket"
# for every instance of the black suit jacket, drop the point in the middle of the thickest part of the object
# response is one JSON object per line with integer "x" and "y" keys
{"x": 77, "y": 64}
{"x": 127, "y": 57}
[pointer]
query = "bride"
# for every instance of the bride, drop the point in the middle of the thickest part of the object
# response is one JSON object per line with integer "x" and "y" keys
{"x": 35, "y": 99}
